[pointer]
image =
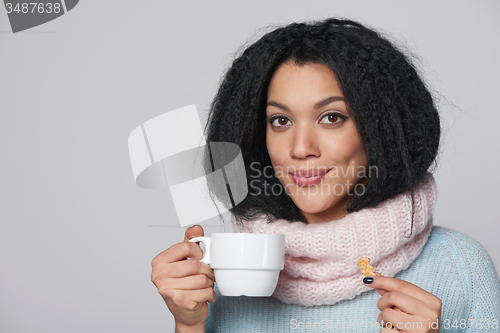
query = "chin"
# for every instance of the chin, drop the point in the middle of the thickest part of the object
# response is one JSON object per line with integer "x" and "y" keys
{"x": 311, "y": 205}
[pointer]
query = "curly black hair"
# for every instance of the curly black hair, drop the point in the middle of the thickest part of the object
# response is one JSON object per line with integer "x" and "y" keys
{"x": 393, "y": 110}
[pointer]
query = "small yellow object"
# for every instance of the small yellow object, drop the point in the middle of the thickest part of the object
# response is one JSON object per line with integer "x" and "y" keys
{"x": 366, "y": 268}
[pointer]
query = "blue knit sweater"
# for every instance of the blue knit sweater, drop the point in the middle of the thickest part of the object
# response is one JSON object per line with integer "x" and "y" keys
{"x": 452, "y": 266}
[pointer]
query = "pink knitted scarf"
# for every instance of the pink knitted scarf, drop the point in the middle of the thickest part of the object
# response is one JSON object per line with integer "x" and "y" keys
{"x": 321, "y": 258}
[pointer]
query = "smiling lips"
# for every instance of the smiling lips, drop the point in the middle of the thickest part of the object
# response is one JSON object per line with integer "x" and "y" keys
{"x": 308, "y": 177}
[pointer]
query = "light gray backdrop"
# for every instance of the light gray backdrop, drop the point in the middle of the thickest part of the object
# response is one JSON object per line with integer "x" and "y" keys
{"x": 76, "y": 238}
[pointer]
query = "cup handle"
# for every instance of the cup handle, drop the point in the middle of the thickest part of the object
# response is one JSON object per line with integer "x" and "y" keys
{"x": 207, "y": 258}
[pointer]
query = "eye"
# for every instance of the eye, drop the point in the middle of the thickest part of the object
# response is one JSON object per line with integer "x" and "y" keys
{"x": 333, "y": 118}
{"x": 279, "y": 121}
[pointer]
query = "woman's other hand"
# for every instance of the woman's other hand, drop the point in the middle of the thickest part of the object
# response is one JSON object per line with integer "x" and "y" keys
{"x": 420, "y": 310}
{"x": 186, "y": 285}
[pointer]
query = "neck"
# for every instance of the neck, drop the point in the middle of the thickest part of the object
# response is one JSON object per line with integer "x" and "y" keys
{"x": 335, "y": 212}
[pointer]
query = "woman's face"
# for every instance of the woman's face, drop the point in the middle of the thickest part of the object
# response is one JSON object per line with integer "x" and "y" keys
{"x": 312, "y": 141}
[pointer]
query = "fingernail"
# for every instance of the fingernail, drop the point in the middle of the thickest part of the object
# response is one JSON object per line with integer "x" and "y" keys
{"x": 368, "y": 280}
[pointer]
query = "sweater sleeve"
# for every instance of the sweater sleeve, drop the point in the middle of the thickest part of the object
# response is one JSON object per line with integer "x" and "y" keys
{"x": 482, "y": 312}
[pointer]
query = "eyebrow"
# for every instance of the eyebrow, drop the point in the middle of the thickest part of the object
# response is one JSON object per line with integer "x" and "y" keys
{"x": 318, "y": 105}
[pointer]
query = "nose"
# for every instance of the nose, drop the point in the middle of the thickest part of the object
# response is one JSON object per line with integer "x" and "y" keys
{"x": 305, "y": 143}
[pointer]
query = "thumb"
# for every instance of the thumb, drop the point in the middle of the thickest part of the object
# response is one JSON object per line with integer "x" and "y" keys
{"x": 192, "y": 232}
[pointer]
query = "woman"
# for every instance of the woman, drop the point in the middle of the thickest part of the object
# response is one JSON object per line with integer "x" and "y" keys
{"x": 350, "y": 131}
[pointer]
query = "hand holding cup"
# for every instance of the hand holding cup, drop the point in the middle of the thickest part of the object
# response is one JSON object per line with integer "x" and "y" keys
{"x": 186, "y": 285}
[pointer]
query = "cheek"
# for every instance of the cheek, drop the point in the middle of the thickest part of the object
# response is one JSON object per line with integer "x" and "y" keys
{"x": 358, "y": 153}
{"x": 349, "y": 150}
{"x": 278, "y": 156}
{"x": 273, "y": 149}
{"x": 360, "y": 162}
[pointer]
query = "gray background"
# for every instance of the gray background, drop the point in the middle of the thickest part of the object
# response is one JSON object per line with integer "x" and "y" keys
{"x": 76, "y": 238}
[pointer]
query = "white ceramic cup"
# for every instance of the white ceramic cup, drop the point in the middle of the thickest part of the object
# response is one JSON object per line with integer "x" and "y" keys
{"x": 244, "y": 264}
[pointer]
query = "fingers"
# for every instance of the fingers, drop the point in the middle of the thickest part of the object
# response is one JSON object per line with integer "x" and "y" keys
{"x": 192, "y": 282}
{"x": 185, "y": 274}
{"x": 190, "y": 267}
{"x": 392, "y": 320}
{"x": 178, "y": 252}
{"x": 384, "y": 283}
{"x": 402, "y": 301}
{"x": 192, "y": 232}
{"x": 201, "y": 295}
{"x": 189, "y": 299}
{"x": 213, "y": 297}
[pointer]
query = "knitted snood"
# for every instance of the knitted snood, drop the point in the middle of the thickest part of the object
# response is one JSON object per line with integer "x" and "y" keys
{"x": 321, "y": 258}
